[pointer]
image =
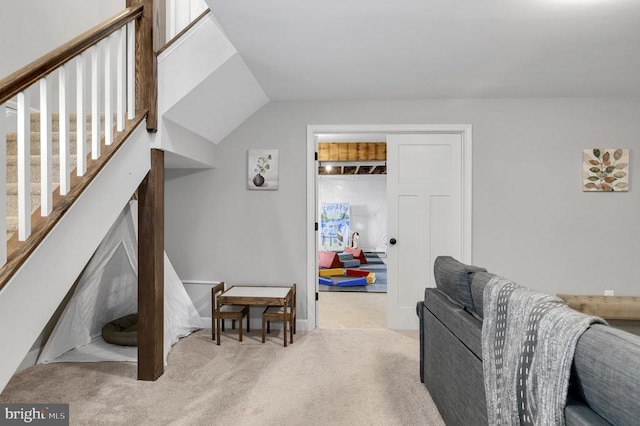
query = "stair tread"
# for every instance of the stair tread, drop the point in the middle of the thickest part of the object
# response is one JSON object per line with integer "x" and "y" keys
{"x": 12, "y": 159}
{"x": 35, "y": 158}
{"x": 55, "y": 115}
{"x": 14, "y": 134}
{"x": 12, "y": 188}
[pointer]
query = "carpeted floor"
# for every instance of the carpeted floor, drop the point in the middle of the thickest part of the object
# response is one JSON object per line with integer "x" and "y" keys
{"x": 376, "y": 263}
{"x": 352, "y": 310}
{"x": 327, "y": 377}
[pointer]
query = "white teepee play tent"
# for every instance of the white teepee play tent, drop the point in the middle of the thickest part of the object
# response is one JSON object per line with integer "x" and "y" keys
{"x": 108, "y": 289}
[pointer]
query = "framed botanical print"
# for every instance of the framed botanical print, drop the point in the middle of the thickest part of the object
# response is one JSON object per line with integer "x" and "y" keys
{"x": 262, "y": 166}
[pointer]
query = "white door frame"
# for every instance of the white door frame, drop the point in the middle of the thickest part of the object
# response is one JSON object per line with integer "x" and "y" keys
{"x": 312, "y": 187}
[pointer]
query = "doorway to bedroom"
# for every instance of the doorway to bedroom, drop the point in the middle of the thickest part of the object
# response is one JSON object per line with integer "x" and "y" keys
{"x": 352, "y": 230}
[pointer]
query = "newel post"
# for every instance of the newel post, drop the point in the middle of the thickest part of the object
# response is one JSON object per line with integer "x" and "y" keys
{"x": 146, "y": 63}
{"x": 151, "y": 270}
{"x": 150, "y": 207}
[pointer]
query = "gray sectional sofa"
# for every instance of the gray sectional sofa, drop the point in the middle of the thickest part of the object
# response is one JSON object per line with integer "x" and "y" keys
{"x": 604, "y": 384}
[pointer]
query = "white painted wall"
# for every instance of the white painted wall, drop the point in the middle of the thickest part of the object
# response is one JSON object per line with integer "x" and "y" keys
{"x": 531, "y": 221}
{"x": 32, "y": 28}
{"x": 367, "y": 198}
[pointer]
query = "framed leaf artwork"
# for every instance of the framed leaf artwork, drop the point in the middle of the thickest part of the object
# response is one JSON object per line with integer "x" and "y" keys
{"x": 605, "y": 170}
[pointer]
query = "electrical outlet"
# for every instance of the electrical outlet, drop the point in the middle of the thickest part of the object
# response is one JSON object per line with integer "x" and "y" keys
{"x": 608, "y": 292}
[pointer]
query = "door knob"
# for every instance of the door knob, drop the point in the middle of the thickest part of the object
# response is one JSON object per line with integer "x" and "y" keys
{"x": 392, "y": 241}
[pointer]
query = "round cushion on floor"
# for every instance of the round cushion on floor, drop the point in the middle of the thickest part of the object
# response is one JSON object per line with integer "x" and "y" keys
{"x": 122, "y": 331}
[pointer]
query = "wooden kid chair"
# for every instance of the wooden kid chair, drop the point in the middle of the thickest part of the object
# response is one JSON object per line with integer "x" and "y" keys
{"x": 232, "y": 312}
{"x": 280, "y": 313}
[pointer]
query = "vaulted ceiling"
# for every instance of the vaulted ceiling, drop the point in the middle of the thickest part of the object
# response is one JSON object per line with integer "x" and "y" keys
{"x": 417, "y": 49}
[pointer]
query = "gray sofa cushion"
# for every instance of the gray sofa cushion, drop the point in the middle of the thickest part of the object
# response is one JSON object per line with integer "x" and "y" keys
{"x": 480, "y": 280}
{"x": 576, "y": 413}
{"x": 454, "y": 278}
{"x": 606, "y": 373}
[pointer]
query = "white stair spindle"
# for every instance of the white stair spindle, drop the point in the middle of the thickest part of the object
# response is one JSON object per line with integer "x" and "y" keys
{"x": 3, "y": 183}
{"x": 24, "y": 171}
{"x": 131, "y": 70}
{"x": 63, "y": 131}
{"x": 46, "y": 162}
{"x": 108, "y": 111}
{"x": 95, "y": 103}
{"x": 120, "y": 87}
{"x": 81, "y": 119}
{"x": 171, "y": 19}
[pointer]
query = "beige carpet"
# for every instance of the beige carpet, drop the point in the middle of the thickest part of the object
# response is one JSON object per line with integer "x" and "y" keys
{"x": 327, "y": 377}
{"x": 352, "y": 310}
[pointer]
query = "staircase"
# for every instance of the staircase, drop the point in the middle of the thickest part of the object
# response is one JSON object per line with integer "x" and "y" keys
{"x": 12, "y": 163}
{"x": 186, "y": 132}
{"x": 36, "y": 289}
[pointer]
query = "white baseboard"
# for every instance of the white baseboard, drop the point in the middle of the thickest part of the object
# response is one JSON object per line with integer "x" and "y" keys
{"x": 201, "y": 282}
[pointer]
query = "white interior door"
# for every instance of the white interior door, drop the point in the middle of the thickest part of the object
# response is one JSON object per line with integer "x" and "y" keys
{"x": 425, "y": 203}
{"x": 316, "y": 317}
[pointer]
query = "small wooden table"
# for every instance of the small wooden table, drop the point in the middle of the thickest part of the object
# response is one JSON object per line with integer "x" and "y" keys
{"x": 255, "y": 296}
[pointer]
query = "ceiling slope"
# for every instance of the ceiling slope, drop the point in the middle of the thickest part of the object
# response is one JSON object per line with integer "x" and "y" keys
{"x": 205, "y": 90}
{"x": 416, "y": 49}
{"x": 220, "y": 102}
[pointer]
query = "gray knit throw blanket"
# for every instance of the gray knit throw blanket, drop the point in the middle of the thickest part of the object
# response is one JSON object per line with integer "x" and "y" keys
{"x": 528, "y": 342}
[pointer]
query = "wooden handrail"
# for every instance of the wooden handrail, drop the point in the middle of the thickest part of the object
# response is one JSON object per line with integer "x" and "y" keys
{"x": 19, "y": 251}
{"x": 30, "y": 74}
